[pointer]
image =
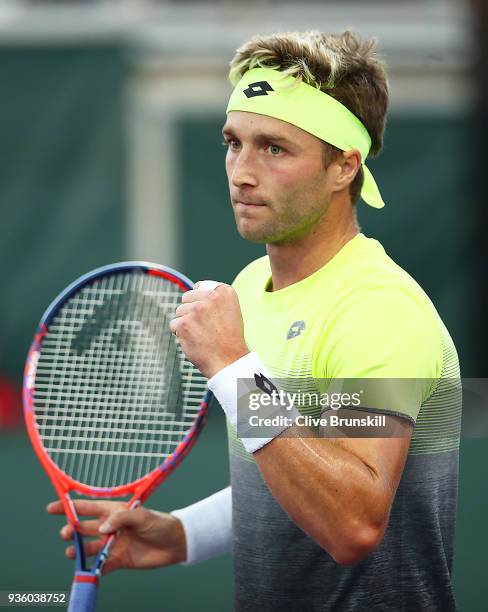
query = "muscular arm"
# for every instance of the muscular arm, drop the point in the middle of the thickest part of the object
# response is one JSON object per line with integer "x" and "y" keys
{"x": 339, "y": 491}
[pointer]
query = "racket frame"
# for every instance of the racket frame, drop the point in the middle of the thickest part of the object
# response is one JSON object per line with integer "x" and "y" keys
{"x": 140, "y": 489}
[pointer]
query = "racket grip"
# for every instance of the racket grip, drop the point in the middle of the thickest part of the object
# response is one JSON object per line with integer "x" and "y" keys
{"x": 83, "y": 596}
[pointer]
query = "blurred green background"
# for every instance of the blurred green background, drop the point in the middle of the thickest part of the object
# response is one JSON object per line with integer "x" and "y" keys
{"x": 64, "y": 173}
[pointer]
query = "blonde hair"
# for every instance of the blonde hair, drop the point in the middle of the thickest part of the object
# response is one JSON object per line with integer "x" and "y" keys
{"x": 344, "y": 66}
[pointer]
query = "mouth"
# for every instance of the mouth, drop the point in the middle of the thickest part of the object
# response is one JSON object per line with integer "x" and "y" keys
{"x": 244, "y": 204}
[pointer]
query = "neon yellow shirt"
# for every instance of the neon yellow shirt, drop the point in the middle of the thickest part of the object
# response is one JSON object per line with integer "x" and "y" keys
{"x": 359, "y": 316}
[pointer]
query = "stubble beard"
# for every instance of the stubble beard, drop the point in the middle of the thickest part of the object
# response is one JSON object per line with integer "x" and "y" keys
{"x": 280, "y": 229}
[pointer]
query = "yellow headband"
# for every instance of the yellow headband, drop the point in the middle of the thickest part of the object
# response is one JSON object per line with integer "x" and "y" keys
{"x": 266, "y": 91}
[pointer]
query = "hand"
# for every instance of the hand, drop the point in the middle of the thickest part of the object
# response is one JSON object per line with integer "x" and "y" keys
{"x": 209, "y": 328}
{"x": 147, "y": 539}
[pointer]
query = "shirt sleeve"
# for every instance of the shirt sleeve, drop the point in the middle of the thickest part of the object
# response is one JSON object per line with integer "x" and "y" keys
{"x": 386, "y": 341}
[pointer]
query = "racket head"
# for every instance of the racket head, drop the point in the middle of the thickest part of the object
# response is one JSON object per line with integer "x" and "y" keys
{"x": 101, "y": 317}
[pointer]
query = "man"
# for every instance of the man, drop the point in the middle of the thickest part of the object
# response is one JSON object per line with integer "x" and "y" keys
{"x": 321, "y": 523}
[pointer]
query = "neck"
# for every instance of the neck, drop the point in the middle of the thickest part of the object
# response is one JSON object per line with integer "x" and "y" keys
{"x": 292, "y": 262}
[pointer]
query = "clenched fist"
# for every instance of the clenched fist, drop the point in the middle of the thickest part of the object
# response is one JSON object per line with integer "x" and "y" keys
{"x": 209, "y": 327}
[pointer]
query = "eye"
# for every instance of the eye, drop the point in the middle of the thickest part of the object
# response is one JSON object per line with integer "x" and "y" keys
{"x": 274, "y": 149}
{"x": 231, "y": 144}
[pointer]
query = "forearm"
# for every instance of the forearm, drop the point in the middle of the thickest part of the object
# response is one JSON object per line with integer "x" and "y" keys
{"x": 328, "y": 492}
{"x": 208, "y": 526}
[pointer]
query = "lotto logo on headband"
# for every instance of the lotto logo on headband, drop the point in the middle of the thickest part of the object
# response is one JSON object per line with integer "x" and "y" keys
{"x": 260, "y": 88}
{"x": 309, "y": 109}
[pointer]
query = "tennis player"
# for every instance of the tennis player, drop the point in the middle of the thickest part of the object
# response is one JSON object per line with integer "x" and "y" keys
{"x": 350, "y": 523}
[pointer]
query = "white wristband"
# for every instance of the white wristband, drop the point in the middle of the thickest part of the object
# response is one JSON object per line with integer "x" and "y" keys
{"x": 224, "y": 386}
{"x": 208, "y": 527}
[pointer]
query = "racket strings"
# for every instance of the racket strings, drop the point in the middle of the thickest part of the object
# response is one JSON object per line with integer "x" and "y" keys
{"x": 114, "y": 394}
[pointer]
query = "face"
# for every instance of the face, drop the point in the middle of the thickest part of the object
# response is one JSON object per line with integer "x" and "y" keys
{"x": 279, "y": 187}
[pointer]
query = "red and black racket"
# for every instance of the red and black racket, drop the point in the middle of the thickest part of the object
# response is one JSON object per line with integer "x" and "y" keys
{"x": 111, "y": 403}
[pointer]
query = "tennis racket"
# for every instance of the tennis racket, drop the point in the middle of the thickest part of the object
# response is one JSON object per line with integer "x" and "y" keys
{"x": 110, "y": 401}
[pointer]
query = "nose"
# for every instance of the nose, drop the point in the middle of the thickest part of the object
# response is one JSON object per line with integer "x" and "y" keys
{"x": 241, "y": 170}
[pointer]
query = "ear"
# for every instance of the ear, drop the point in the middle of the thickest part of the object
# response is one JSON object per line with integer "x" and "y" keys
{"x": 348, "y": 166}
